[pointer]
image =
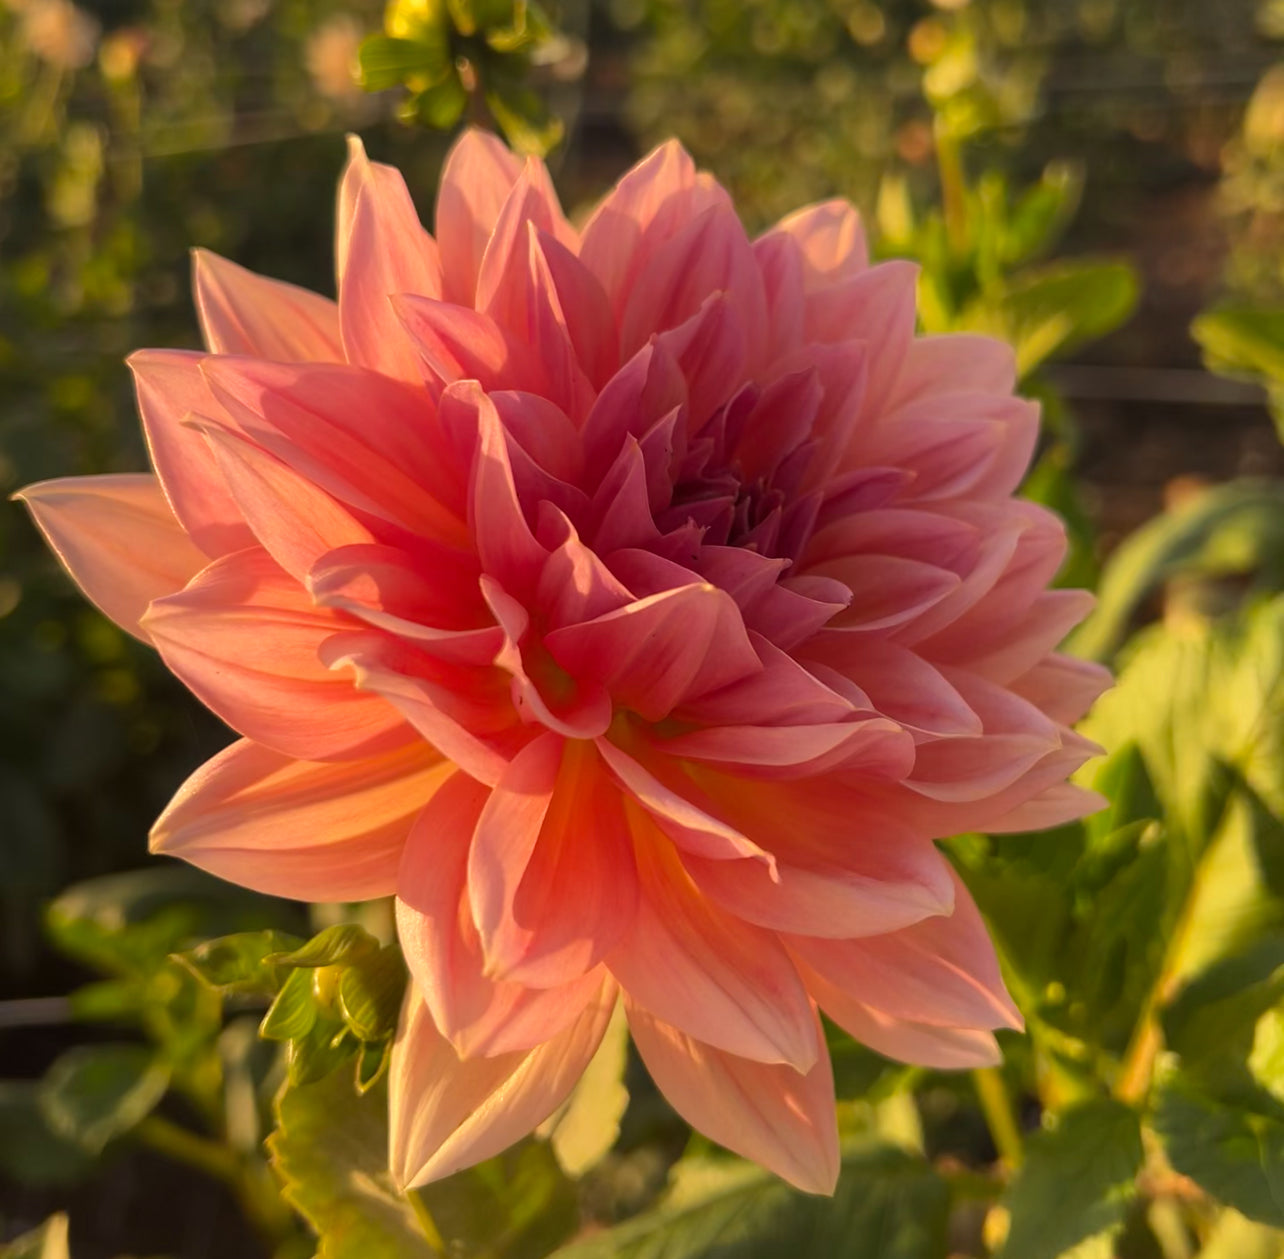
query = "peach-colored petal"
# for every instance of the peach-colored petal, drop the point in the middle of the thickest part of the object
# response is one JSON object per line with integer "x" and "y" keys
{"x": 118, "y": 538}
{"x": 941, "y": 971}
{"x": 948, "y": 1048}
{"x": 550, "y": 872}
{"x": 244, "y": 637}
{"x": 701, "y": 969}
{"x": 771, "y": 1113}
{"x": 475, "y": 183}
{"x": 382, "y": 249}
{"x": 476, "y": 1013}
{"x": 170, "y": 389}
{"x": 1062, "y": 687}
{"x": 359, "y": 436}
{"x": 291, "y": 518}
{"x": 655, "y": 653}
{"x": 245, "y": 313}
{"x": 611, "y": 245}
{"x": 313, "y": 831}
{"x": 447, "y": 1112}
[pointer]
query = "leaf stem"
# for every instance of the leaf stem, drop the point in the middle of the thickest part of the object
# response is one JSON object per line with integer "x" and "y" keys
{"x": 426, "y": 1222}
{"x": 1000, "y": 1118}
{"x": 949, "y": 166}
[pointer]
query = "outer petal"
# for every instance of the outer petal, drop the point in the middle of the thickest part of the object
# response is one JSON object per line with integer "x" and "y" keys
{"x": 118, "y": 538}
{"x": 447, "y": 1113}
{"x": 941, "y": 971}
{"x": 312, "y": 831}
{"x": 769, "y": 1113}
{"x": 830, "y": 239}
{"x": 475, "y": 183}
{"x": 245, "y": 313}
{"x": 170, "y": 389}
{"x": 949, "y": 1048}
{"x": 244, "y": 637}
{"x": 382, "y": 249}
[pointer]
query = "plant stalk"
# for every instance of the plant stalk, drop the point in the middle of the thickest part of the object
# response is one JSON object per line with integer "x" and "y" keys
{"x": 1000, "y": 1118}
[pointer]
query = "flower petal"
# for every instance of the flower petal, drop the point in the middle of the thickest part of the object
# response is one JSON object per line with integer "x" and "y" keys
{"x": 768, "y": 1112}
{"x": 447, "y": 1113}
{"x": 245, "y": 313}
{"x": 312, "y": 831}
{"x": 382, "y": 249}
{"x": 171, "y": 388}
{"x": 941, "y": 971}
{"x": 244, "y": 637}
{"x": 703, "y": 970}
{"x": 477, "y": 1014}
{"x": 550, "y": 873}
{"x": 118, "y": 538}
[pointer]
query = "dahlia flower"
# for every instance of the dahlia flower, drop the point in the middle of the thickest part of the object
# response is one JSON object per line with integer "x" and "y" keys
{"x": 637, "y": 604}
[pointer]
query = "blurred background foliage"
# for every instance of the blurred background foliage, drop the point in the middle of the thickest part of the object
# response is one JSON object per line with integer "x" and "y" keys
{"x": 1082, "y": 177}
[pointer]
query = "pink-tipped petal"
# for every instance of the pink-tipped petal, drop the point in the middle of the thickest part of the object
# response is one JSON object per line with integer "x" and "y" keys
{"x": 655, "y": 653}
{"x": 771, "y": 1113}
{"x": 382, "y": 249}
{"x": 475, "y": 183}
{"x": 307, "y": 830}
{"x": 245, "y": 313}
{"x": 447, "y": 1113}
{"x": 831, "y": 240}
{"x": 118, "y": 538}
{"x": 551, "y": 874}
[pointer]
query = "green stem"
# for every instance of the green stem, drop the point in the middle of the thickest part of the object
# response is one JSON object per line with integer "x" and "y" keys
{"x": 996, "y": 1106}
{"x": 426, "y": 1222}
{"x": 949, "y": 166}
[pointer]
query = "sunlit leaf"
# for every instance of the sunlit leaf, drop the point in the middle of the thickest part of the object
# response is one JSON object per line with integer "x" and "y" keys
{"x": 96, "y": 1092}
{"x": 888, "y": 1205}
{"x": 1076, "y": 1181}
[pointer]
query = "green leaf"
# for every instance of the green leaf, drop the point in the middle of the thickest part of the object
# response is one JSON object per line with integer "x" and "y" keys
{"x": 370, "y": 992}
{"x": 1052, "y": 309}
{"x": 31, "y": 1153}
{"x": 888, "y": 1205}
{"x": 1229, "y": 530}
{"x": 1234, "y": 1236}
{"x": 49, "y": 1241}
{"x": 96, "y": 1092}
{"x": 330, "y": 1149}
{"x": 586, "y": 1127}
{"x": 323, "y": 1048}
{"x": 442, "y": 105}
{"x": 526, "y": 123}
{"x": 1041, "y": 214}
{"x": 1211, "y": 1021}
{"x": 517, "y": 1206}
{"x": 237, "y": 963}
{"x": 344, "y": 943}
{"x": 384, "y": 61}
{"x": 293, "y": 1012}
{"x": 1232, "y": 1147}
{"x": 1076, "y": 1181}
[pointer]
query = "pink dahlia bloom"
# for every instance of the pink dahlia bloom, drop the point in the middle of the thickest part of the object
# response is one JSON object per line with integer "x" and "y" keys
{"x": 637, "y": 604}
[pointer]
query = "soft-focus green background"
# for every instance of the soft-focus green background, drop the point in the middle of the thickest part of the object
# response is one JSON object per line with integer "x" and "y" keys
{"x": 130, "y": 131}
